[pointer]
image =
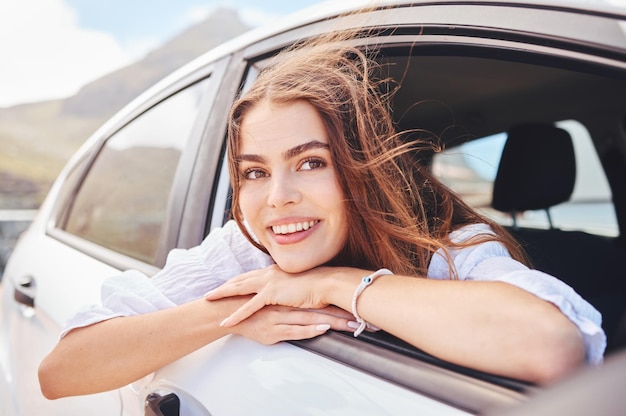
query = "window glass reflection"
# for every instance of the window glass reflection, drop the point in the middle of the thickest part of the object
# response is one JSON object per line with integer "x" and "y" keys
{"x": 123, "y": 201}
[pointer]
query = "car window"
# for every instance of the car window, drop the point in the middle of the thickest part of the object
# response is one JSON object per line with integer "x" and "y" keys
{"x": 471, "y": 168}
{"x": 144, "y": 156}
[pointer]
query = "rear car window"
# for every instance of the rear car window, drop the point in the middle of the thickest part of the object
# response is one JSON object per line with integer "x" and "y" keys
{"x": 143, "y": 156}
{"x": 470, "y": 169}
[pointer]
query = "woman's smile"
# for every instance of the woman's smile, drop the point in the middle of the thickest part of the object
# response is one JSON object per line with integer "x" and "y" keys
{"x": 294, "y": 227}
{"x": 293, "y": 232}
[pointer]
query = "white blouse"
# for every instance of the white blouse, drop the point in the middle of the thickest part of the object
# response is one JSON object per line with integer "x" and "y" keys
{"x": 226, "y": 253}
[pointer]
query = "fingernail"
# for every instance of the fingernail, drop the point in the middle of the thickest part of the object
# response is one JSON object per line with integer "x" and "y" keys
{"x": 323, "y": 327}
{"x": 373, "y": 327}
{"x": 225, "y": 322}
{"x": 353, "y": 324}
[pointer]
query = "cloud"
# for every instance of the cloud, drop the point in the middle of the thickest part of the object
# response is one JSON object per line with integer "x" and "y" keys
{"x": 45, "y": 54}
{"x": 258, "y": 17}
{"x": 196, "y": 14}
{"x": 251, "y": 15}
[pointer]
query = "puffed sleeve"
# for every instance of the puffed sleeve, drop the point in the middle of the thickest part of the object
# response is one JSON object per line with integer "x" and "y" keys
{"x": 187, "y": 275}
{"x": 491, "y": 261}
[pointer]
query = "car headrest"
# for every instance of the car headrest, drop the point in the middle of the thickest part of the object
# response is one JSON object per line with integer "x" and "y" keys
{"x": 537, "y": 169}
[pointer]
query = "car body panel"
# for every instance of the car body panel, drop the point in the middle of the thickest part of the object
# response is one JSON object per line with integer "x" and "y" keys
{"x": 246, "y": 378}
{"x": 38, "y": 331}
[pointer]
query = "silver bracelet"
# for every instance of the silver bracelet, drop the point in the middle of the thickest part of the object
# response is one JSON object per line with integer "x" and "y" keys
{"x": 365, "y": 282}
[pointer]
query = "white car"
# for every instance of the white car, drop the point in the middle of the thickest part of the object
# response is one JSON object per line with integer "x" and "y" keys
{"x": 153, "y": 178}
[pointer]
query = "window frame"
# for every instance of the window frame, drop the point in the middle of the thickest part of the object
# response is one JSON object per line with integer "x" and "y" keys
{"x": 179, "y": 191}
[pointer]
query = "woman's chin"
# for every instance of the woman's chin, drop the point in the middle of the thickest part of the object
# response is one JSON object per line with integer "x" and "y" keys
{"x": 291, "y": 265}
{"x": 294, "y": 268}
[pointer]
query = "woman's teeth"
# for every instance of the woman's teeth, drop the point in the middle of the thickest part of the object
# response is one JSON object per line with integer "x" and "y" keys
{"x": 292, "y": 228}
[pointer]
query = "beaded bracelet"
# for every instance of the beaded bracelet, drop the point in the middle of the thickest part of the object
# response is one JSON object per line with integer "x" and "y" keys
{"x": 365, "y": 282}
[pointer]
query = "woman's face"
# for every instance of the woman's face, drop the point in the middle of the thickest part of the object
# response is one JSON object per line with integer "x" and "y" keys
{"x": 289, "y": 192}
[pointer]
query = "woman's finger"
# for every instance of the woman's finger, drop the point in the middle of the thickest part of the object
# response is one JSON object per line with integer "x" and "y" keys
{"x": 228, "y": 289}
{"x": 279, "y": 316}
{"x": 244, "y": 284}
{"x": 296, "y": 316}
{"x": 276, "y": 323}
{"x": 297, "y": 332}
{"x": 286, "y": 332}
{"x": 244, "y": 311}
{"x": 335, "y": 311}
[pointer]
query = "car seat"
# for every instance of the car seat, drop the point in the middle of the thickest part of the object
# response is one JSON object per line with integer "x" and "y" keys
{"x": 537, "y": 171}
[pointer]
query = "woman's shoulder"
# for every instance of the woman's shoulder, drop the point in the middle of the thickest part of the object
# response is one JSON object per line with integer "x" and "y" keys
{"x": 465, "y": 258}
{"x": 229, "y": 241}
{"x": 468, "y": 231}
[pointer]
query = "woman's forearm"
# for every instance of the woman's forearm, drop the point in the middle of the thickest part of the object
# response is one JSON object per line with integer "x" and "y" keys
{"x": 490, "y": 326}
{"x": 113, "y": 353}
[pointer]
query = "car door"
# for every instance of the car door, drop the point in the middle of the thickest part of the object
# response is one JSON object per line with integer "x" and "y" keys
{"x": 116, "y": 206}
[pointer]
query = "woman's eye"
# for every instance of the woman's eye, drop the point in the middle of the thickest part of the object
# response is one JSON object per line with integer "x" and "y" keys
{"x": 311, "y": 164}
{"x": 253, "y": 174}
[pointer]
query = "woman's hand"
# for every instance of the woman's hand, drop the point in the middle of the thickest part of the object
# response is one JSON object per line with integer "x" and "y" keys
{"x": 275, "y": 323}
{"x": 272, "y": 286}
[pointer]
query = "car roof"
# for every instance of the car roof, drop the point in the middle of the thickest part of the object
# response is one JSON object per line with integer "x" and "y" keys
{"x": 331, "y": 8}
{"x": 328, "y": 9}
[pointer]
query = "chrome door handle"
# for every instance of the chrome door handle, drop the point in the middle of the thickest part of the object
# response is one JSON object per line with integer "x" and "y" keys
{"x": 162, "y": 405}
{"x": 24, "y": 291}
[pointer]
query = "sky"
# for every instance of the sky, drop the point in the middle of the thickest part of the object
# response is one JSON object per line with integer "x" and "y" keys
{"x": 50, "y": 48}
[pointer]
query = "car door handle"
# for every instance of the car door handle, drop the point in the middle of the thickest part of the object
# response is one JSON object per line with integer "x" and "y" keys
{"x": 162, "y": 405}
{"x": 24, "y": 291}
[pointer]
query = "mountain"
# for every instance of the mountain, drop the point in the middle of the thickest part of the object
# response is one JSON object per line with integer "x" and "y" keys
{"x": 37, "y": 139}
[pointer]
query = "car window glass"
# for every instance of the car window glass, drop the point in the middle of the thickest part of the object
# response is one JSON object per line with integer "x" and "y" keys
{"x": 122, "y": 203}
{"x": 470, "y": 169}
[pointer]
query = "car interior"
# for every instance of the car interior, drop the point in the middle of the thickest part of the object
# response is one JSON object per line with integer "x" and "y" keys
{"x": 463, "y": 97}
{"x": 453, "y": 96}
{"x": 537, "y": 171}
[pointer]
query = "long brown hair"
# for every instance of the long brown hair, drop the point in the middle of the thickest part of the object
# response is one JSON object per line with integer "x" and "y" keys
{"x": 398, "y": 213}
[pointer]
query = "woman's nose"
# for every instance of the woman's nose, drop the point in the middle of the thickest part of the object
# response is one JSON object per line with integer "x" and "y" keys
{"x": 283, "y": 190}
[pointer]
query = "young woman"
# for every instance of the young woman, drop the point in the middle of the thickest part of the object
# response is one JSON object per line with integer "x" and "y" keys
{"x": 335, "y": 226}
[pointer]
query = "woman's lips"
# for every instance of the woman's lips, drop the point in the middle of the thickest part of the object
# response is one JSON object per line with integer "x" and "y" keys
{"x": 293, "y": 232}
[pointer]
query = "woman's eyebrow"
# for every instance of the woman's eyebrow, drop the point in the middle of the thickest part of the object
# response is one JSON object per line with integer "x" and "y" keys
{"x": 295, "y": 151}
{"x": 288, "y": 154}
{"x": 250, "y": 158}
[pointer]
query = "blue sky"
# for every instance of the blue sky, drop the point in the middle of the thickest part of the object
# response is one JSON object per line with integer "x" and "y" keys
{"x": 133, "y": 20}
{"x": 50, "y": 48}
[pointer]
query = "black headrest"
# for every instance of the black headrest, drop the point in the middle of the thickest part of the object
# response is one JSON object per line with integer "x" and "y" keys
{"x": 537, "y": 169}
